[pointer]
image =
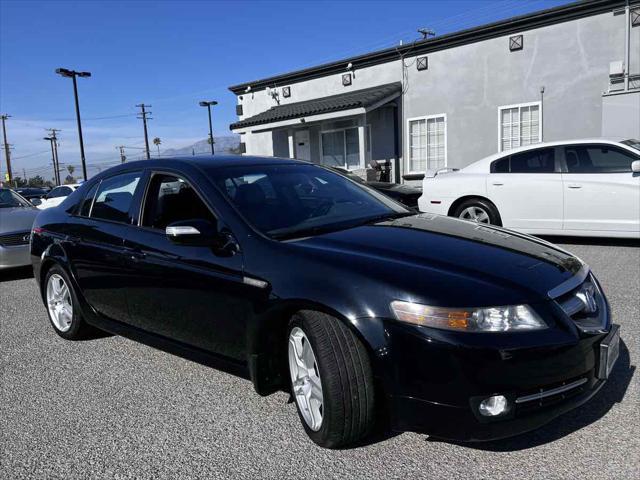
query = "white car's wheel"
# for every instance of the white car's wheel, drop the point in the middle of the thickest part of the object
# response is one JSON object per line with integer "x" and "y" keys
{"x": 478, "y": 210}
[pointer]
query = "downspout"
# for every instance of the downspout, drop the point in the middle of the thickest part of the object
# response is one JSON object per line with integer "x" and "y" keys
{"x": 627, "y": 46}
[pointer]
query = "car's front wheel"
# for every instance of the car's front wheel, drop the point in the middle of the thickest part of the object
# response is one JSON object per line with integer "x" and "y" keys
{"x": 331, "y": 380}
{"x": 62, "y": 305}
{"x": 478, "y": 210}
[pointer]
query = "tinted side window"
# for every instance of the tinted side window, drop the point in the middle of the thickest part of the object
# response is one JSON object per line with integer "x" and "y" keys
{"x": 535, "y": 161}
{"x": 597, "y": 159}
{"x": 59, "y": 192}
{"x": 500, "y": 166}
{"x": 85, "y": 205}
{"x": 114, "y": 198}
{"x": 170, "y": 199}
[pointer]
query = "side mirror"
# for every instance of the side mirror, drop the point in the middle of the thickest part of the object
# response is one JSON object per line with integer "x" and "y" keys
{"x": 635, "y": 166}
{"x": 36, "y": 201}
{"x": 202, "y": 233}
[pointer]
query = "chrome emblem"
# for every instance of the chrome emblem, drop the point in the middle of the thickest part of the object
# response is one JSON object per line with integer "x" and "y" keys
{"x": 587, "y": 296}
{"x": 26, "y": 238}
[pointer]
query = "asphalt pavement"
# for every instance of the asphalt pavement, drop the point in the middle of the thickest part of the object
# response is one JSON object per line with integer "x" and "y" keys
{"x": 113, "y": 408}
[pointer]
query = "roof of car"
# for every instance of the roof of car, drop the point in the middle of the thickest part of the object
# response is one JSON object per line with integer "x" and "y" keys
{"x": 481, "y": 164}
{"x": 217, "y": 161}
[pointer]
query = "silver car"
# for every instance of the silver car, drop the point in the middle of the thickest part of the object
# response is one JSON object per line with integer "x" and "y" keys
{"x": 16, "y": 219}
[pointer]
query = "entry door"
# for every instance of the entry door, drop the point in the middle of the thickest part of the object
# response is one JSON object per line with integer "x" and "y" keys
{"x": 527, "y": 190}
{"x": 600, "y": 191}
{"x": 186, "y": 293}
{"x": 302, "y": 145}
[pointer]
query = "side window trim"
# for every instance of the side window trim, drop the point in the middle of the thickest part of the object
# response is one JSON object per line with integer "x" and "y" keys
{"x": 180, "y": 175}
{"x": 557, "y": 164}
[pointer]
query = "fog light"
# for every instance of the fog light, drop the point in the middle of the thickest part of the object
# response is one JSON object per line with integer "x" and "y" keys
{"x": 492, "y": 406}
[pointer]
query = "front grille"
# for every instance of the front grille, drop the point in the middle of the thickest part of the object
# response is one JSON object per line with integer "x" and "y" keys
{"x": 14, "y": 239}
{"x": 585, "y": 305}
{"x": 551, "y": 395}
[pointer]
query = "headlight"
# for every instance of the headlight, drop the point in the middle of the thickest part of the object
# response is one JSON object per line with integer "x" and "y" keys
{"x": 514, "y": 318}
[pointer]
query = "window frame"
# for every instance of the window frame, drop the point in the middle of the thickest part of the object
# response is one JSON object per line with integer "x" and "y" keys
{"x": 622, "y": 148}
{"x": 367, "y": 147}
{"x": 426, "y": 118}
{"x": 79, "y": 206}
{"x": 60, "y": 187}
{"x": 145, "y": 193}
{"x": 519, "y": 106}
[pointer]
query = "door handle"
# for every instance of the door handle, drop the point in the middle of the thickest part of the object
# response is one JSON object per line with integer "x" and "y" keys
{"x": 497, "y": 184}
{"x": 574, "y": 186}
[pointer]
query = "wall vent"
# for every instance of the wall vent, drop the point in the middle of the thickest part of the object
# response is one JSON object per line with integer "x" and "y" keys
{"x": 346, "y": 79}
{"x": 516, "y": 43}
{"x": 286, "y": 92}
{"x": 422, "y": 63}
{"x": 238, "y": 109}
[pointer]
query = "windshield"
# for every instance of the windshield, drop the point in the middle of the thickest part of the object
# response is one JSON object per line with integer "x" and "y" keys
{"x": 288, "y": 201}
{"x": 633, "y": 143}
{"x": 9, "y": 199}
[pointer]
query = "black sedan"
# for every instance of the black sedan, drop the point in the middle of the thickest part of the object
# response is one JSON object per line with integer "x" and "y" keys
{"x": 306, "y": 281}
{"x": 32, "y": 193}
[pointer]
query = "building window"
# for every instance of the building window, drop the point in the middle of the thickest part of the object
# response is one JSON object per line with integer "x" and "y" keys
{"x": 427, "y": 143}
{"x": 520, "y": 125}
{"x": 341, "y": 148}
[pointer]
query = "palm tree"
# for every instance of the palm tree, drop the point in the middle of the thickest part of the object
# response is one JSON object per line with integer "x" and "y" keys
{"x": 157, "y": 142}
{"x": 70, "y": 179}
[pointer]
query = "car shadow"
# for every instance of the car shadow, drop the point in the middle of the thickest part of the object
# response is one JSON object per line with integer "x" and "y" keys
{"x": 597, "y": 241}
{"x": 611, "y": 393}
{"x": 19, "y": 273}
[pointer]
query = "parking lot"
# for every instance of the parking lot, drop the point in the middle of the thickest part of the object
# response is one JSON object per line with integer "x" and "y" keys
{"x": 109, "y": 407}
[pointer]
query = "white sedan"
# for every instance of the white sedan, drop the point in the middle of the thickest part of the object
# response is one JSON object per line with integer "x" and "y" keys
{"x": 56, "y": 196}
{"x": 587, "y": 187}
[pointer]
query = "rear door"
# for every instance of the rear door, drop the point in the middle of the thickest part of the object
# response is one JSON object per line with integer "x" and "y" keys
{"x": 95, "y": 243}
{"x": 600, "y": 191}
{"x": 526, "y": 187}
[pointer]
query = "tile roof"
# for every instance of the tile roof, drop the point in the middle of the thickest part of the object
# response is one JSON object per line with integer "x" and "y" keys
{"x": 344, "y": 101}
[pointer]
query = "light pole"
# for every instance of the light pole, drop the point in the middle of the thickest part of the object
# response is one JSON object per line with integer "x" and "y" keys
{"x": 209, "y": 105}
{"x": 73, "y": 74}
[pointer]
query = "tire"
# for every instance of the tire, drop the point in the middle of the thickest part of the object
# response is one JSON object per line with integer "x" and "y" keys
{"x": 485, "y": 211}
{"x": 343, "y": 367}
{"x": 69, "y": 327}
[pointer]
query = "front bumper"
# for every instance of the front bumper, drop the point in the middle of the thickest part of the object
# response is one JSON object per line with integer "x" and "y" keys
{"x": 435, "y": 383}
{"x": 12, "y": 257}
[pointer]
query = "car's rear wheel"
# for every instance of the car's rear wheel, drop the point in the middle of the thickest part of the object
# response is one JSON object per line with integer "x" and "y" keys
{"x": 331, "y": 380}
{"x": 478, "y": 210}
{"x": 62, "y": 305}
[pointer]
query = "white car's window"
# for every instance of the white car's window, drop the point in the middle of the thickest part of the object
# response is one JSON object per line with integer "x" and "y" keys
{"x": 597, "y": 159}
{"x": 533, "y": 161}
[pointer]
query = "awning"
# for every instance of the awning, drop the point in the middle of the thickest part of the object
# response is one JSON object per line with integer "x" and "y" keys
{"x": 365, "y": 99}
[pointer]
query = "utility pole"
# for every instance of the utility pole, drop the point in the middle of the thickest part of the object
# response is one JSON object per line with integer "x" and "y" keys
{"x": 123, "y": 158}
{"x": 73, "y": 74}
{"x": 53, "y": 160}
{"x": 7, "y": 154}
{"x": 54, "y": 143}
{"x": 143, "y": 116}
{"x": 209, "y": 104}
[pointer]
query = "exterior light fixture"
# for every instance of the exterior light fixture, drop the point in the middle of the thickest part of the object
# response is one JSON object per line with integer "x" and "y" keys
{"x": 346, "y": 79}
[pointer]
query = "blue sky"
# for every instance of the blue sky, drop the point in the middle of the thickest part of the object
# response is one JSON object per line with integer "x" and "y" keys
{"x": 171, "y": 54}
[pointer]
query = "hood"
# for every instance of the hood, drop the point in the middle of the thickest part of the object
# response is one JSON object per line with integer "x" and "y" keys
{"x": 395, "y": 187}
{"x": 438, "y": 256}
{"x": 17, "y": 219}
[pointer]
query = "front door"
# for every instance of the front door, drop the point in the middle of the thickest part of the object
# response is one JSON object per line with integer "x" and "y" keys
{"x": 600, "y": 191}
{"x": 186, "y": 293}
{"x": 527, "y": 190}
{"x": 302, "y": 145}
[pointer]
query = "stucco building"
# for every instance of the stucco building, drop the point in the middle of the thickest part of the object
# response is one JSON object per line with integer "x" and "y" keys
{"x": 567, "y": 72}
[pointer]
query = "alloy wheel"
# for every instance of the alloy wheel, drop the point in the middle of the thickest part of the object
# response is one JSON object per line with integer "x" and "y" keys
{"x": 305, "y": 379}
{"x": 59, "y": 302}
{"x": 475, "y": 214}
